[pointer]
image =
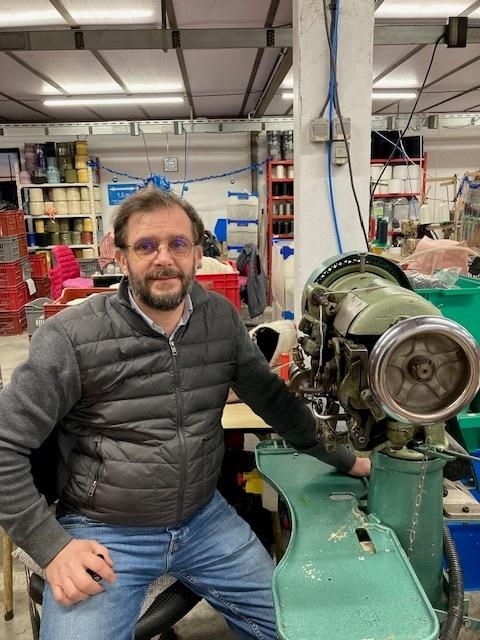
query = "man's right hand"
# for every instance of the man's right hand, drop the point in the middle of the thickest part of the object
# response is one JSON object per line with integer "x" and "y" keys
{"x": 67, "y": 572}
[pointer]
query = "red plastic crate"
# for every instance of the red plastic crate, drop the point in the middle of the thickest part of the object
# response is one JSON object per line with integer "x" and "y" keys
{"x": 227, "y": 284}
{"x": 13, "y": 298}
{"x": 12, "y": 223}
{"x": 39, "y": 266}
{"x": 12, "y": 322}
{"x": 43, "y": 287}
{"x": 22, "y": 243}
{"x": 71, "y": 294}
{"x": 11, "y": 274}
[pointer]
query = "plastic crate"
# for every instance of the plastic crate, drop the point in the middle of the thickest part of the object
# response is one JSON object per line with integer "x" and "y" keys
{"x": 12, "y": 322}
{"x": 242, "y": 206}
{"x": 10, "y": 249}
{"x": 227, "y": 284}
{"x": 71, "y": 294}
{"x": 466, "y": 536}
{"x": 39, "y": 266}
{"x": 12, "y": 223}
{"x": 35, "y": 314}
{"x": 88, "y": 266}
{"x": 43, "y": 286}
{"x": 461, "y": 304}
{"x": 26, "y": 269}
{"x": 11, "y": 274}
{"x": 13, "y": 298}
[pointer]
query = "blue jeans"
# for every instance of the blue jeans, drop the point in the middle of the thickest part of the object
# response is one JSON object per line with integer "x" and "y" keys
{"x": 215, "y": 554}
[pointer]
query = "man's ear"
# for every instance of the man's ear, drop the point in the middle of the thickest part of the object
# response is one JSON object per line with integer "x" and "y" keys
{"x": 121, "y": 260}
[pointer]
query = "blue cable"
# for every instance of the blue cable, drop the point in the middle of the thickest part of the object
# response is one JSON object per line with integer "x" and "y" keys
{"x": 331, "y": 98}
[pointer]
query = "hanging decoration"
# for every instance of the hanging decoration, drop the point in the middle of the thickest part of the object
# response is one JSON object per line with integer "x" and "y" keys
{"x": 161, "y": 182}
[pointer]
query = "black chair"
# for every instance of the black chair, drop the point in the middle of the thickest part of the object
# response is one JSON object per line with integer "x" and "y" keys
{"x": 168, "y": 608}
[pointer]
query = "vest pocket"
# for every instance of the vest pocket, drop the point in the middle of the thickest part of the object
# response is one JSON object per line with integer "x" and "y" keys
{"x": 99, "y": 467}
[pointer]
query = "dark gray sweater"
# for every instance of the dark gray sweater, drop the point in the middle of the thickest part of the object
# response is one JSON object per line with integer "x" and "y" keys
{"x": 138, "y": 420}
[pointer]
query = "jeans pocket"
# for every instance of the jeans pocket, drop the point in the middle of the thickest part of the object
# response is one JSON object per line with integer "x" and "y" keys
{"x": 77, "y": 520}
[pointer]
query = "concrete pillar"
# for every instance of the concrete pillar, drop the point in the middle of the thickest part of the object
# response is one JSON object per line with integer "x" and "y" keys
{"x": 315, "y": 238}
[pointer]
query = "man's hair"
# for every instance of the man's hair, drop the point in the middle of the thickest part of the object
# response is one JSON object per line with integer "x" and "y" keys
{"x": 147, "y": 201}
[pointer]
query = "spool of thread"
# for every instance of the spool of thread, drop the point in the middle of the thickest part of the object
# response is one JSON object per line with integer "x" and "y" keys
{"x": 81, "y": 148}
{"x": 65, "y": 237}
{"x": 36, "y": 208}
{"x": 382, "y": 231}
{"x": 290, "y": 171}
{"x": 400, "y": 211}
{"x": 396, "y": 185}
{"x": 81, "y": 161}
{"x": 76, "y": 237}
{"x": 73, "y": 194}
{"x": 84, "y": 194}
{"x": 25, "y": 177}
{"x": 64, "y": 225}
{"x": 78, "y": 224}
{"x": 35, "y": 195}
{"x": 97, "y": 196}
{"x": 39, "y": 226}
{"x": 98, "y": 206}
{"x": 62, "y": 149}
{"x": 412, "y": 186}
{"x": 55, "y": 238}
{"x": 85, "y": 207}
{"x": 87, "y": 237}
{"x": 58, "y": 194}
{"x": 31, "y": 239}
{"x": 280, "y": 171}
{"x": 43, "y": 239}
{"x": 74, "y": 207}
{"x": 52, "y": 226}
{"x": 377, "y": 170}
{"x": 82, "y": 175}
{"x": 62, "y": 207}
{"x": 88, "y": 253}
{"x": 382, "y": 187}
{"x": 87, "y": 225}
{"x": 48, "y": 207}
{"x": 71, "y": 175}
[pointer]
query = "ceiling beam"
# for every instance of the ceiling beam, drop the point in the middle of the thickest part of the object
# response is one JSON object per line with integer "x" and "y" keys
{"x": 172, "y": 20}
{"x": 272, "y": 12}
{"x": 36, "y": 72}
{"x": 378, "y": 3}
{"x": 63, "y": 12}
{"x": 457, "y": 95}
{"x": 397, "y": 63}
{"x": 473, "y": 7}
{"x": 276, "y": 78}
{"x": 25, "y": 104}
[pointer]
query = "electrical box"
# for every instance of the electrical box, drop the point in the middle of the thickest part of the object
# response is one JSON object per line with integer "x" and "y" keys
{"x": 319, "y": 130}
{"x": 337, "y": 128}
{"x": 339, "y": 153}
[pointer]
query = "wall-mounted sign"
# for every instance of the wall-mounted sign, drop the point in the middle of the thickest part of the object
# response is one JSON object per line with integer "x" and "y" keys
{"x": 119, "y": 191}
{"x": 170, "y": 164}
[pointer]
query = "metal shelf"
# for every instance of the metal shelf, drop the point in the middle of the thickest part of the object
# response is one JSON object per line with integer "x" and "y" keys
{"x": 69, "y": 215}
{"x": 52, "y": 185}
{"x": 379, "y": 196}
{"x": 72, "y": 246}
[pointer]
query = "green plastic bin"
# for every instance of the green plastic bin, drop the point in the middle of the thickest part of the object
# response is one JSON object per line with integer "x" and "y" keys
{"x": 462, "y": 304}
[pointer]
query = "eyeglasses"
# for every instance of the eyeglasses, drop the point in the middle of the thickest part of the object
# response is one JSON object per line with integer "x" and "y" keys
{"x": 147, "y": 248}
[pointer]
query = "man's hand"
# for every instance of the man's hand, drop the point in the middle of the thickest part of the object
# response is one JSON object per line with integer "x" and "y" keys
{"x": 67, "y": 572}
{"x": 361, "y": 468}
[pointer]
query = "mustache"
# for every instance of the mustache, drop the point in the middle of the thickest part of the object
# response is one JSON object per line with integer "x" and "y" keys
{"x": 164, "y": 273}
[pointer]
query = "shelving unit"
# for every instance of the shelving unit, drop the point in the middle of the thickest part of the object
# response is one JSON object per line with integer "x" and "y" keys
{"x": 280, "y": 225}
{"x": 94, "y": 216}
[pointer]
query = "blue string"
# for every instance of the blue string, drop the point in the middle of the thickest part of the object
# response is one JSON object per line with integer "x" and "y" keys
{"x": 161, "y": 180}
{"x": 331, "y": 96}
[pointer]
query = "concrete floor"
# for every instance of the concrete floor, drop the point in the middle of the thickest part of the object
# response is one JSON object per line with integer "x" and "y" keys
{"x": 202, "y": 623}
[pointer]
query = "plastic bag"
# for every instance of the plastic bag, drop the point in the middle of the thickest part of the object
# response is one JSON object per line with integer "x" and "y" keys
{"x": 442, "y": 279}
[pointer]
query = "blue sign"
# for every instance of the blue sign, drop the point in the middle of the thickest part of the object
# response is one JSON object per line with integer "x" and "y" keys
{"x": 119, "y": 191}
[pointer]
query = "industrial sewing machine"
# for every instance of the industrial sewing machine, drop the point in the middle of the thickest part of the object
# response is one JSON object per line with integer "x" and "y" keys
{"x": 383, "y": 371}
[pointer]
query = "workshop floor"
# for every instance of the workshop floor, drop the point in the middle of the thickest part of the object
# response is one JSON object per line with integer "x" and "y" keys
{"x": 202, "y": 623}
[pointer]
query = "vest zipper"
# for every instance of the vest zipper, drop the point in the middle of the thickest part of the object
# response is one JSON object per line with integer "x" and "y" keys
{"x": 93, "y": 486}
{"x": 181, "y": 433}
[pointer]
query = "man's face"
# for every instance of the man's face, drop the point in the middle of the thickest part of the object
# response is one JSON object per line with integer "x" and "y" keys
{"x": 163, "y": 279}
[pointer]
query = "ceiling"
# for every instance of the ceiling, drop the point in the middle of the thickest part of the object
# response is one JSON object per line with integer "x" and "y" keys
{"x": 213, "y": 83}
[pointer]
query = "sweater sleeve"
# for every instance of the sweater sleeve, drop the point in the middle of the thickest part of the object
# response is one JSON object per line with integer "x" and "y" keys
{"x": 270, "y": 398}
{"x": 41, "y": 392}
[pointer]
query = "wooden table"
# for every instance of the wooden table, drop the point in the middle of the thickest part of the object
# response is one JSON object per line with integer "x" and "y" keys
{"x": 239, "y": 416}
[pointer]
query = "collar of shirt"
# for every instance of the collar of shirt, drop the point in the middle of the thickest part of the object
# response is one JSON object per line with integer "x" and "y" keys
{"x": 187, "y": 312}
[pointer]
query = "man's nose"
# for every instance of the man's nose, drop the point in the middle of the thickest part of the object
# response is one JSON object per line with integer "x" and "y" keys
{"x": 163, "y": 254}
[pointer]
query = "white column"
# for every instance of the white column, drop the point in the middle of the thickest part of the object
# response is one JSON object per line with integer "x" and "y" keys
{"x": 315, "y": 239}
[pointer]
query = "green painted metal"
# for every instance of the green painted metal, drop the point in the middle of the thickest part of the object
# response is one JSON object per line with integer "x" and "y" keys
{"x": 393, "y": 499}
{"x": 330, "y": 585}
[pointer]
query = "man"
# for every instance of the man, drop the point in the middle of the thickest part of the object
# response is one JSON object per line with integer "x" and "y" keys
{"x": 135, "y": 384}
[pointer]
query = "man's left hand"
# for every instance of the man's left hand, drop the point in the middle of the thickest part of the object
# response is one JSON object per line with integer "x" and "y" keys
{"x": 361, "y": 468}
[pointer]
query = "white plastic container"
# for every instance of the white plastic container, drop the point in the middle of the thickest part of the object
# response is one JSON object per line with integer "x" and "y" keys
{"x": 242, "y": 206}
{"x": 239, "y": 233}
{"x": 282, "y": 270}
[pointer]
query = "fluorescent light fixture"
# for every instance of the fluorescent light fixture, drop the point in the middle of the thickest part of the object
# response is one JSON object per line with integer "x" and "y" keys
{"x": 111, "y": 100}
{"x": 109, "y": 15}
{"x": 423, "y": 9}
{"x": 287, "y": 95}
{"x": 394, "y": 95}
{"x": 16, "y": 18}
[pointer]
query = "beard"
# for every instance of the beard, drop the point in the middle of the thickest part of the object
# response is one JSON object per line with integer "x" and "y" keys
{"x": 163, "y": 301}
